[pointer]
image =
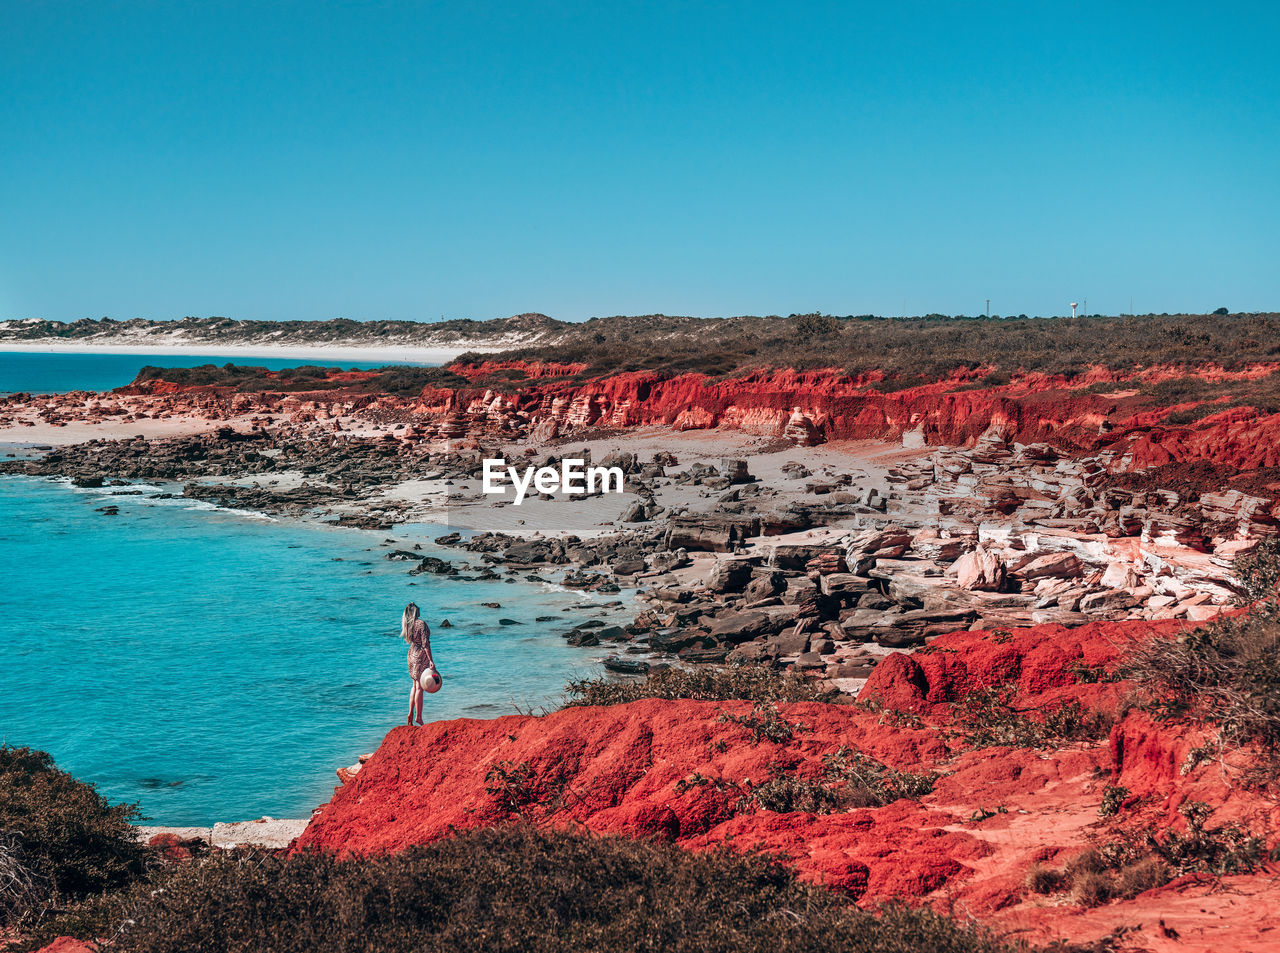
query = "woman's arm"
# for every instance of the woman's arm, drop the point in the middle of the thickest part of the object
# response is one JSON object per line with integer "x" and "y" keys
{"x": 426, "y": 644}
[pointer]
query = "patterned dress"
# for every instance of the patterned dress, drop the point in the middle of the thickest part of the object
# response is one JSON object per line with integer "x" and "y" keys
{"x": 419, "y": 649}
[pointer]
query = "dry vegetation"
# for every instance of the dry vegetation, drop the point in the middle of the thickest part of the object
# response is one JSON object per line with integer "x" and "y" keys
{"x": 402, "y": 380}
{"x": 60, "y": 841}
{"x": 513, "y": 888}
{"x": 990, "y": 717}
{"x": 906, "y": 350}
{"x": 909, "y": 350}
{"x": 1226, "y": 673}
{"x": 1132, "y": 860}
{"x": 744, "y": 682}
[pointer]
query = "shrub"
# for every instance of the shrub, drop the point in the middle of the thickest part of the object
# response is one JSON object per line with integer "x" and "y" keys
{"x": 746, "y": 682}
{"x": 1137, "y": 860}
{"x": 513, "y": 786}
{"x": 1112, "y": 799}
{"x": 765, "y": 724}
{"x": 1090, "y": 674}
{"x": 1226, "y": 672}
{"x": 814, "y": 325}
{"x": 788, "y": 793}
{"x": 519, "y": 889}
{"x": 1042, "y": 879}
{"x": 1259, "y": 572}
{"x": 59, "y": 839}
{"x": 20, "y": 888}
{"x": 849, "y": 780}
{"x": 987, "y": 717}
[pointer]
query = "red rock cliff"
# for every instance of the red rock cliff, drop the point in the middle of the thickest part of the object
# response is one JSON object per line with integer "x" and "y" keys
{"x": 1081, "y": 413}
{"x": 676, "y": 771}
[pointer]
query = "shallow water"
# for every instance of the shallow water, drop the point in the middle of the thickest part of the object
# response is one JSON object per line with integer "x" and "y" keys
{"x": 59, "y": 373}
{"x": 214, "y": 665}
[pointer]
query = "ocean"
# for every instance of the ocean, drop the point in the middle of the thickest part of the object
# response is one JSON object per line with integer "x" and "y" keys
{"x": 39, "y": 373}
{"x": 211, "y": 665}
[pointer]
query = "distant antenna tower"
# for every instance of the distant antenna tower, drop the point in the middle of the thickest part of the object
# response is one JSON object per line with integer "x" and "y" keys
{"x": 1073, "y": 309}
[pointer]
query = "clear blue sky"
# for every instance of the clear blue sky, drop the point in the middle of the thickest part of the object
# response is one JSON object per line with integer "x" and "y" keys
{"x": 477, "y": 159}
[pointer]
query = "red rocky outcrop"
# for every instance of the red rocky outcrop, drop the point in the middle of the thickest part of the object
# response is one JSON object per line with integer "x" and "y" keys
{"x": 675, "y": 770}
{"x": 827, "y": 404}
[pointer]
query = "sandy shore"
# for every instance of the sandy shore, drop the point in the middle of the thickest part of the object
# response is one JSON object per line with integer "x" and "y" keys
{"x": 37, "y": 432}
{"x": 392, "y": 354}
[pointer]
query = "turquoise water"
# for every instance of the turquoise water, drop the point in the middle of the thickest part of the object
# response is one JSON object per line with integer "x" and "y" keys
{"x": 59, "y": 373}
{"x": 213, "y": 665}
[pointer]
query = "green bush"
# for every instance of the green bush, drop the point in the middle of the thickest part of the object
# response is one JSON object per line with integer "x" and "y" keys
{"x": 988, "y": 717}
{"x": 400, "y": 380}
{"x": 59, "y": 839}
{"x": 521, "y": 890}
{"x": 913, "y": 350}
{"x": 765, "y": 723}
{"x": 1113, "y": 796}
{"x": 850, "y": 779}
{"x": 815, "y": 324}
{"x": 1137, "y": 859}
{"x": 1259, "y": 572}
{"x": 1226, "y": 673}
{"x": 746, "y": 682}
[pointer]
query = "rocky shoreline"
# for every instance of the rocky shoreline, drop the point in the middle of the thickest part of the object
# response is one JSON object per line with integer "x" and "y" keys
{"x": 783, "y": 548}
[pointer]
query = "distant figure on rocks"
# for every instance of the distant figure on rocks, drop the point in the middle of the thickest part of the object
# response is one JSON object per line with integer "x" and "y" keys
{"x": 418, "y": 635}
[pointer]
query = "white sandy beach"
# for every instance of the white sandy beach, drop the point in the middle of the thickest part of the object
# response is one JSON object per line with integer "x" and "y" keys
{"x": 392, "y": 353}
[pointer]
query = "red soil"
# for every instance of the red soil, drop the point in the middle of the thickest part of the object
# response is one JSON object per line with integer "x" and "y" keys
{"x": 67, "y": 944}
{"x": 618, "y": 770}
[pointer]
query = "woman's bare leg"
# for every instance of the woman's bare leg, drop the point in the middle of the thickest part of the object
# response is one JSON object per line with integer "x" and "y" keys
{"x": 415, "y": 698}
{"x": 420, "y": 694}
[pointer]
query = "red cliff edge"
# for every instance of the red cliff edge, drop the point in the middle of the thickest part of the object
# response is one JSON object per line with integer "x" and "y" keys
{"x": 675, "y": 770}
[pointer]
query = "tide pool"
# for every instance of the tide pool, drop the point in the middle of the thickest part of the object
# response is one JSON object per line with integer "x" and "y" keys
{"x": 214, "y": 665}
{"x": 60, "y": 372}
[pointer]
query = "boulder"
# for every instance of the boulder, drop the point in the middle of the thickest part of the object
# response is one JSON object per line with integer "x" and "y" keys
{"x": 734, "y": 469}
{"x": 801, "y": 430}
{"x": 844, "y": 585}
{"x": 635, "y": 513}
{"x": 864, "y": 549}
{"x": 667, "y": 560}
{"x": 437, "y": 567}
{"x": 715, "y": 533}
{"x": 673, "y": 639}
{"x": 736, "y": 627}
{"x": 1107, "y": 600}
{"x": 794, "y": 556}
{"x": 786, "y": 644}
{"x": 729, "y": 575}
{"x": 850, "y": 669}
{"x": 1049, "y": 565}
{"x": 981, "y": 570}
{"x": 765, "y": 584}
{"x": 628, "y": 565}
{"x": 810, "y": 661}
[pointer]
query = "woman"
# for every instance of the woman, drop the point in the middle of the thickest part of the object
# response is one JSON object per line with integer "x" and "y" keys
{"x": 418, "y": 635}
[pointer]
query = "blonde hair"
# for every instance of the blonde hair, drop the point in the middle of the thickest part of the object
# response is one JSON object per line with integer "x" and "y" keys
{"x": 411, "y": 614}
